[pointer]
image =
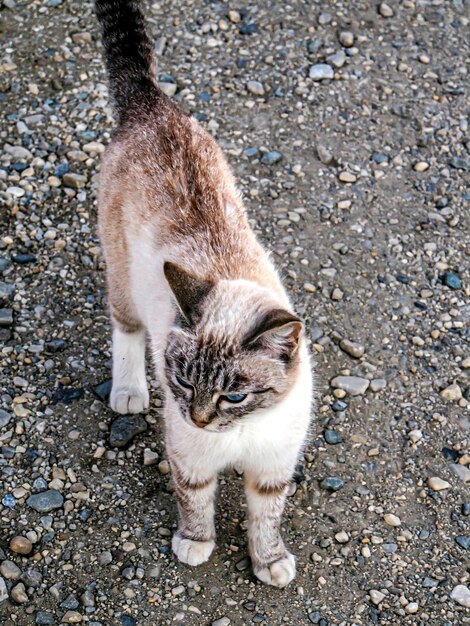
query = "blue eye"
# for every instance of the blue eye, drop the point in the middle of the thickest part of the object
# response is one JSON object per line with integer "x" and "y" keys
{"x": 183, "y": 383}
{"x": 235, "y": 398}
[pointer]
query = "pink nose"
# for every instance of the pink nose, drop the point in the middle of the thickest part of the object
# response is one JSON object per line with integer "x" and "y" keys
{"x": 199, "y": 424}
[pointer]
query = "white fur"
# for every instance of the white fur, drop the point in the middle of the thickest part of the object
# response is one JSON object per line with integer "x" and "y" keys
{"x": 192, "y": 552}
{"x": 266, "y": 444}
{"x": 280, "y": 573}
{"x": 129, "y": 393}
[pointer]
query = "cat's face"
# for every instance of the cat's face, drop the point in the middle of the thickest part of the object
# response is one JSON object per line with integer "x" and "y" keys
{"x": 227, "y": 361}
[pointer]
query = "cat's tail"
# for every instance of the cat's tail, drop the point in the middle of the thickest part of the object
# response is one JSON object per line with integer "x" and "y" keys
{"x": 128, "y": 51}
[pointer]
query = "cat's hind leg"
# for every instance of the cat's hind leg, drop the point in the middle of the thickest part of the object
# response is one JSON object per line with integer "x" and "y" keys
{"x": 129, "y": 392}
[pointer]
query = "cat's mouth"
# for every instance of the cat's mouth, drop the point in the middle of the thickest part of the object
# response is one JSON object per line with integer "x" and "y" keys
{"x": 209, "y": 427}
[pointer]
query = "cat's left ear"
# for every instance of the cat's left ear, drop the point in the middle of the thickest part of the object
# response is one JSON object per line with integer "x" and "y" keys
{"x": 189, "y": 290}
{"x": 277, "y": 332}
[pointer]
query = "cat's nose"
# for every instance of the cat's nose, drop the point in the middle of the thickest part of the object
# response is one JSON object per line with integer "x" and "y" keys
{"x": 199, "y": 424}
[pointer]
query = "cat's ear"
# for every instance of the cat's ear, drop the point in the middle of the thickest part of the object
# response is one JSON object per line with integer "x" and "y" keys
{"x": 277, "y": 332}
{"x": 189, "y": 290}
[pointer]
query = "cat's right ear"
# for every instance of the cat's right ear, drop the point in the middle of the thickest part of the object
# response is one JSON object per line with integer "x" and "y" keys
{"x": 189, "y": 290}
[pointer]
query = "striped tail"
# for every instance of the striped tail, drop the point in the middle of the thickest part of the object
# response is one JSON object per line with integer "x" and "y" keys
{"x": 128, "y": 51}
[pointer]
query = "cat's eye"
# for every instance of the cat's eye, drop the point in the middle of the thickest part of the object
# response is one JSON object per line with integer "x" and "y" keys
{"x": 235, "y": 398}
{"x": 184, "y": 383}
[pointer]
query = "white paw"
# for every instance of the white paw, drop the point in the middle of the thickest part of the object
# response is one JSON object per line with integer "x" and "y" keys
{"x": 190, "y": 551}
{"x": 132, "y": 400}
{"x": 280, "y": 573}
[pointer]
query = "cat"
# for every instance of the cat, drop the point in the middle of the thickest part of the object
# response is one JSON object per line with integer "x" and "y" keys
{"x": 186, "y": 272}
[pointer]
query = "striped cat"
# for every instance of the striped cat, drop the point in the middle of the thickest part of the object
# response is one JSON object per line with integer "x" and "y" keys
{"x": 186, "y": 273}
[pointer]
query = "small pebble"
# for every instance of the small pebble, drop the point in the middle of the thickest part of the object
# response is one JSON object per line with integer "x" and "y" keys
{"x": 346, "y": 38}
{"x": 376, "y": 596}
{"x": 321, "y": 71}
{"x": 332, "y": 483}
{"x": 10, "y": 570}
{"x": 354, "y": 385}
{"x": 125, "y": 428}
{"x": 452, "y": 393}
{"x": 21, "y": 545}
{"x": 386, "y": 10}
{"x": 355, "y": 350}
{"x": 46, "y": 501}
{"x": 392, "y": 520}
{"x": 332, "y": 437}
{"x": 18, "y": 593}
{"x": 461, "y": 595}
{"x": 255, "y": 87}
{"x": 437, "y": 484}
{"x": 347, "y": 177}
{"x": 421, "y": 166}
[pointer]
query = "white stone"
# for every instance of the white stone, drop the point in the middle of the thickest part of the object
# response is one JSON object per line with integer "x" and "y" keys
{"x": 321, "y": 71}
{"x": 461, "y": 471}
{"x": 415, "y": 435}
{"x": 376, "y": 596}
{"x": 461, "y": 594}
{"x": 437, "y": 484}
{"x": 3, "y": 590}
{"x": 168, "y": 88}
{"x": 392, "y": 520}
{"x": 354, "y": 385}
{"x": 452, "y": 392}
{"x": 255, "y": 87}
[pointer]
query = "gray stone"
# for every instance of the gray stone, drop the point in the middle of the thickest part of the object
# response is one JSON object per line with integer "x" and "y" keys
{"x": 10, "y": 570}
{"x": 352, "y": 348}
{"x": 44, "y": 619}
{"x": 354, "y": 385}
{"x": 378, "y": 384}
{"x": 332, "y": 483}
{"x": 321, "y": 71}
{"x": 6, "y": 318}
{"x": 386, "y": 10}
{"x": 332, "y": 437}
{"x": 4, "y": 418}
{"x": 255, "y": 87}
{"x": 461, "y": 595}
{"x": 271, "y": 157}
{"x": 325, "y": 157}
{"x": 46, "y": 501}
{"x": 463, "y": 541}
{"x": 18, "y": 593}
{"x": 74, "y": 180}
{"x": 6, "y": 291}
{"x": 125, "y": 428}
{"x": 338, "y": 59}
{"x": 462, "y": 471}
{"x": 105, "y": 558}
{"x": 32, "y": 578}
{"x": 222, "y": 621}
{"x": 3, "y": 590}
{"x": 376, "y": 596}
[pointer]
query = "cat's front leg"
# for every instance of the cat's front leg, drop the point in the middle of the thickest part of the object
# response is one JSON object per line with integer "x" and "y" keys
{"x": 194, "y": 540}
{"x": 272, "y": 563}
{"x": 129, "y": 393}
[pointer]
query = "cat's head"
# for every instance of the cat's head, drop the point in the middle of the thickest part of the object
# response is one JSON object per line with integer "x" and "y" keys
{"x": 233, "y": 350}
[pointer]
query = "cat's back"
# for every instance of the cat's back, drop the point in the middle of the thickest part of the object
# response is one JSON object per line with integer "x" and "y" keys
{"x": 168, "y": 174}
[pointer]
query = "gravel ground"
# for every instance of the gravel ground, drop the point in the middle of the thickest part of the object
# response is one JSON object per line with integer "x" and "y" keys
{"x": 346, "y": 124}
